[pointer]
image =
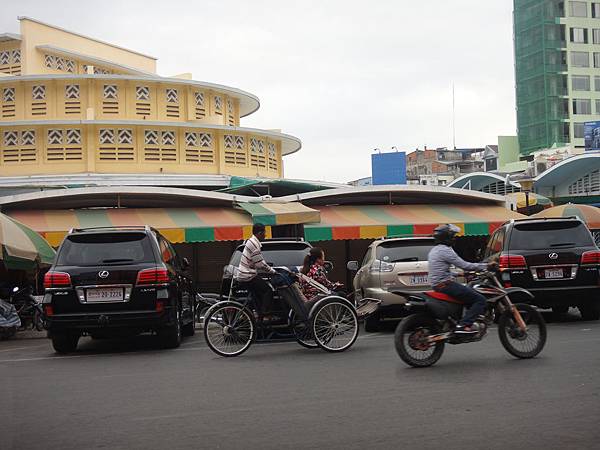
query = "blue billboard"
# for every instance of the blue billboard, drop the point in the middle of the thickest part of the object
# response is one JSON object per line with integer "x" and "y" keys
{"x": 591, "y": 134}
{"x": 388, "y": 168}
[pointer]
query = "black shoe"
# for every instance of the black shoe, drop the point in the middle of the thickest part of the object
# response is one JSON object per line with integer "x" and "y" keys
{"x": 467, "y": 329}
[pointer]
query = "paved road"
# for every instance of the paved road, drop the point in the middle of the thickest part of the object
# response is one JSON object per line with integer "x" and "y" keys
{"x": 119, "y": 394}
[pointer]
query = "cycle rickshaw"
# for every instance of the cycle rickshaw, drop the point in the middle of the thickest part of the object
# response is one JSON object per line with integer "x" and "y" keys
{"x": 328, "y": 321}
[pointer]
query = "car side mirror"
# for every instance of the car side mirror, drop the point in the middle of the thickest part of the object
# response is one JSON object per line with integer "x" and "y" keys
{"x": 328, "y": 266}
{"x": 185, "y": 263}
{"x": 352, "y": 266}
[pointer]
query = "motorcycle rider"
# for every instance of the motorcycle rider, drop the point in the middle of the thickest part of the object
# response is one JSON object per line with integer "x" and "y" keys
{"x": 251, "y": 263}
{"x": 441, "y": 257}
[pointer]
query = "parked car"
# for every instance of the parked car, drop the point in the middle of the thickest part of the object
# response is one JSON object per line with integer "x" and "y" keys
{"x": 114, "y": 282}
{"x": 388, "y": 265}
{"x": 555, "y": 259}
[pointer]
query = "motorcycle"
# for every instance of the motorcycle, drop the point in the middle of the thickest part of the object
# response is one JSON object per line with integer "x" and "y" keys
{"x": 420, "y": 338}
{"x": 28, "y": 308}
{"x": 9, "y": 320}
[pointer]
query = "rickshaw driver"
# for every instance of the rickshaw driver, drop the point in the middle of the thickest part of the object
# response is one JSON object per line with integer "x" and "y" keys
{"x": 251, "y": 263}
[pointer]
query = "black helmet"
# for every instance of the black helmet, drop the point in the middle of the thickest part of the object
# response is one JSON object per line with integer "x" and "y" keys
{"x": 445, "y": 234}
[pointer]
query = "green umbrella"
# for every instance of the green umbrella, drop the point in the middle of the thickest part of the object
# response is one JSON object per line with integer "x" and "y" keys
{"x": 22, "y": 248}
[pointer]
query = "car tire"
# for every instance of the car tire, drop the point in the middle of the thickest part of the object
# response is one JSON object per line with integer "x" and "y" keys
{"x": 65, "y": 342}
{"x": 170, "y": 337}
{"x": 373, "y": 323}
{"x": 189, "y": 329}
{"x": 589, "y": 311}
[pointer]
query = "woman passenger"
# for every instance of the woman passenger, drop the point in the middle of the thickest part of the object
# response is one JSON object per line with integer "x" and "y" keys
{"x": 313, "y": 268}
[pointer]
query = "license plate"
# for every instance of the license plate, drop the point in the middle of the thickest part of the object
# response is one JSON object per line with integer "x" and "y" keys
{"x": 419, "y": 279}
{"x": 104, "y": 295}
{"x": 553, "y": 273}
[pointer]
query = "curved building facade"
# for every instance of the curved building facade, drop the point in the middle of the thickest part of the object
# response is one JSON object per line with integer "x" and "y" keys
{"x": 70, "y": 104}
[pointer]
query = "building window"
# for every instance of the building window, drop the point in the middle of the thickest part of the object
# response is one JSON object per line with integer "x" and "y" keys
{"x": 582, "y": 106}
{"x": 580, "y": 59}
{"x": 19, "y": 147}
{"x": 579, "y": 35}
{"x": 596, "y": 35}
{"x": 110, "y": 92}
{"x": 142, "y": 93}
{"x": 597, "y": 106}
{"x": 580, "y": 82}
{"x": 38, "y": 92}
{"x": 596, "y": 10}
{"x": 597, "y": 59}
{"x": 578, "y": 130}
{"x": 160, "y": 146}
{"x": 171, "y": 95}
{"x": 578, "y": 9}
{"x": 8, "y": 95}
{"x": 597, "y": 83}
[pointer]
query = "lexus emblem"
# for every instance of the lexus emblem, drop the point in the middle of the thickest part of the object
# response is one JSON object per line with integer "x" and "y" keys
{"x": 553, "y": 256}
{"x": 103, "y": 274}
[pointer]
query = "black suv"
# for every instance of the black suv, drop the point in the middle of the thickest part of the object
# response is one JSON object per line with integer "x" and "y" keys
{"x": 556, "y": 259}
{"x": 115, "y": 282}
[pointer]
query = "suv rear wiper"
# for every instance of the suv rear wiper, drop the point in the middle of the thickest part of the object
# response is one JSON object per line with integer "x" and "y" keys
{"x": 562, "y": 244}
{"x": 108, "y": 261}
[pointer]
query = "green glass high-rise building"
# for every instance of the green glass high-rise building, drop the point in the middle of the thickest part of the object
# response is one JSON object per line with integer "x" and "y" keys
{"x": 557, "y": 70}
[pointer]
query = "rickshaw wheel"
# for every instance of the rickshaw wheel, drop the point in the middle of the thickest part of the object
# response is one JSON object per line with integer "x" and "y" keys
{"x": 302, "y": 331}
{"x": 229, "y": 328}
{"x": 334, "y": 324}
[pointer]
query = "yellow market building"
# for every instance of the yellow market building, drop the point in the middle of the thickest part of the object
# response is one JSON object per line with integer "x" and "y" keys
{"x": 91, "y": 136}
{"x": 71, "y": 104}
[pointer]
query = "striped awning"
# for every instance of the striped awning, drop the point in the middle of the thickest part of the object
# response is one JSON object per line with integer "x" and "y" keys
{"x": 375, "y": 221}
{"x": 273, "y": 213}
{"x": 176, "y": 224}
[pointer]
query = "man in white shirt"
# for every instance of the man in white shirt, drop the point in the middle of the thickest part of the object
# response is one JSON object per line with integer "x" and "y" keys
{"x": 251, "y": 264}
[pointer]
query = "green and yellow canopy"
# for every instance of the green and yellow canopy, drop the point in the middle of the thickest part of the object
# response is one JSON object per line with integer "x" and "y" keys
{"x": 376, "y": 221}
{"x": 21, "y": 247}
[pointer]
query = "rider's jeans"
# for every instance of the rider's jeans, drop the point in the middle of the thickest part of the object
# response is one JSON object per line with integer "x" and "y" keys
{"x": 469, "y": 296}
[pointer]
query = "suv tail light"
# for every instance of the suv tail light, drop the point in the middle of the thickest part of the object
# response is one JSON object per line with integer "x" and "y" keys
{"x": 153, "y": 276}
{"x": 591, "y": 257}
{"x": 381, "y": 266}
{"x": 57, "y": 280}
{"x": 512, "y": 262}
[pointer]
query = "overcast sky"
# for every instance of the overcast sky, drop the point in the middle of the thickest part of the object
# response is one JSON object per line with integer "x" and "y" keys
{"x": 344, "y": 76}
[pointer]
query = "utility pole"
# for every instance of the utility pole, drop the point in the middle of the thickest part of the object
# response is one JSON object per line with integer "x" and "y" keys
{"x": 453, "y": 119}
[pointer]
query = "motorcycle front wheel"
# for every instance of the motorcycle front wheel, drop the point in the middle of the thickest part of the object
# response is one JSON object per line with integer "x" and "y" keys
{"x": 411, "y": 343}
{"x": 523, "y": 344}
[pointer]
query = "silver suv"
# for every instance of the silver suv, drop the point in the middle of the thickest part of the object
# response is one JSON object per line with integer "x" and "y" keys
{"x": 390, "y": 265}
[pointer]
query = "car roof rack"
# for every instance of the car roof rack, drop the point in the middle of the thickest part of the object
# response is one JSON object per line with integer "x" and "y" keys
{"x": 545, "y": 219}
{"x": 288, "y": 239}
{"x": 114, "y": 227}
{"x": 409, "y": 236}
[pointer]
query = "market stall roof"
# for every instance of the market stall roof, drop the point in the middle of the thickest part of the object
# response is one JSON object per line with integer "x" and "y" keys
{"x": 118, "y": 196}
{"x": 395, "y": 195}
{"x": 277, "y": 213}
{"x": 275, "y": 187}
{"x": 376, "y": 221}
{"x": 179, "y": 225}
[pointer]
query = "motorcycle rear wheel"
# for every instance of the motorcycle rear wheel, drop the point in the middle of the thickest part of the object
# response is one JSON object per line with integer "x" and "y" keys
{"x": 411, "y": 333}
{"x": 523, "y": 345}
